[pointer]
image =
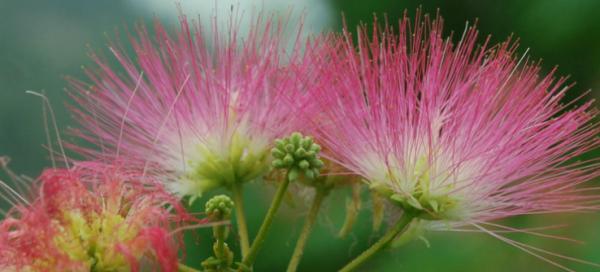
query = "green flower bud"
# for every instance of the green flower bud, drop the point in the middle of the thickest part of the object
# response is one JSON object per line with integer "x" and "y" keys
{"x": 315, "y": 148}
{"x": 280, "y": 144}
{"x": 299, "y": 155}
{"x": 288, "y": 160}
{"x": 303, "y": 164}
{"x": 309, "y": 174}
{"x": 277, "y": 153}
{"x": 293, "y": 174}
{"x": 296, "y": 138}
{"x": 308, "y": 142}
{"x": 317, "y": 163}
{"x": 219, "y": 207}
{"x": 289, "y": 148}
{"x": 300, "y": 152}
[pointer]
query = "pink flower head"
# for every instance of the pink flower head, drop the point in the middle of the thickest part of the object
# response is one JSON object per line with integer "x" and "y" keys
{"x": 459, "y": 133}
{"x": 200, "y": 108}
{"x": 87, "y": 220}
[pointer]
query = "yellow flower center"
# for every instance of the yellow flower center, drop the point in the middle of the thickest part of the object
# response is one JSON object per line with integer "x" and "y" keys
{"x": 222, "y": 163}
{"x": 92, "y": 239}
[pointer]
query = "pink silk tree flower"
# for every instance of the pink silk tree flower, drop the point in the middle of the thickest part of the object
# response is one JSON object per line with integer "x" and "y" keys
{"x": 85, "y": 219}
{"x": 458, "y": 133}
{"x": 199, "y": 108}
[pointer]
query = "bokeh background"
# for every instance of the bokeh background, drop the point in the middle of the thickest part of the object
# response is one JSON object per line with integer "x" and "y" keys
{"x": 43, "y": 41}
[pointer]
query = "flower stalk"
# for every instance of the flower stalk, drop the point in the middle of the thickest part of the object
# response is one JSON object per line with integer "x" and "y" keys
{"x": 266, "y": 225}
{"x": 382, "y": 243}
{"x": 321, "y": 194}
{"x": 352, "y": 209}
{"x": 242, "y": 226}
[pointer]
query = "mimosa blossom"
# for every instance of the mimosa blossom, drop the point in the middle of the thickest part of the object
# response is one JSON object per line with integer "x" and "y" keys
{"x": 86, "y": 220}
{"x": 200, "y": 108}
{"x": 459, "y": 133}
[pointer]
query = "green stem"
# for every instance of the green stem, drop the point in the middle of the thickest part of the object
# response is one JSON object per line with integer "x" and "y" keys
{"x": 220, "y": 233}
{"x": 242, "y": 226}
{"x": 352, "y": 209}
{"x": 184, "y": 268}
{"x": 306, "y": 229}
{"x": 379, "y": 245}
{"x": 266, "y": 225}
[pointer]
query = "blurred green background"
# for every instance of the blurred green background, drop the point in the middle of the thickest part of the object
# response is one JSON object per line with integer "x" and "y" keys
{"x": 42, "y": 41}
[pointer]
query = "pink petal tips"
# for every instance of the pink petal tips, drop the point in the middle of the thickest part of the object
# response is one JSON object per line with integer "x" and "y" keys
{"x": 458, "y": 132}
{"x": 200, "y": 108}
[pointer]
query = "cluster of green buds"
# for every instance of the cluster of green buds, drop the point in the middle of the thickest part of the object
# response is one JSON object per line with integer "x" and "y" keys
{"x": 299, "y": 155}
{"x": 219, "y": 209}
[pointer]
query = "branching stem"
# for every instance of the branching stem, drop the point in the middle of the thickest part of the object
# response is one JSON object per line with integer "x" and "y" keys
{"x": 266, "y": 225}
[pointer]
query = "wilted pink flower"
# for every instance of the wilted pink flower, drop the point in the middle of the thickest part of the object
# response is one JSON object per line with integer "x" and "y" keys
{"x": 201, "y": 107}
{"x": 462, "y": 133}
{"x": 90, "y": 220}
